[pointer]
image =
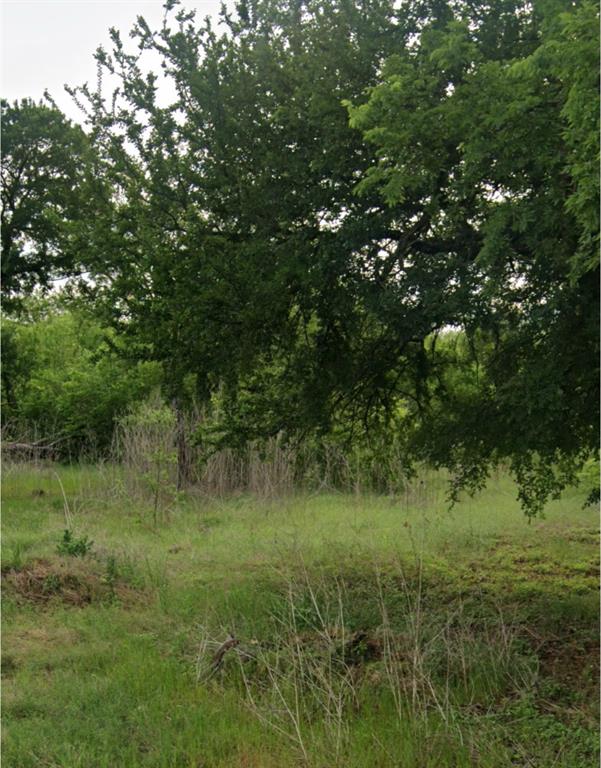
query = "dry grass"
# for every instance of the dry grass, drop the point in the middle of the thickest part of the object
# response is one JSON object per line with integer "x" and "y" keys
{"x": 148, "y": 440}
{"x": 317, "y": 675}
{"x": 66, "y": 581}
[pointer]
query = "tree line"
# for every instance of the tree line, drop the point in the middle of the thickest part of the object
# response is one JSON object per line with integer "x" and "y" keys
{"x": 350, "y": 219}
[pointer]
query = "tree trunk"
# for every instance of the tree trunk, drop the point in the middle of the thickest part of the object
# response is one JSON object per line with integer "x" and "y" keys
{"x": 183, "y": 449}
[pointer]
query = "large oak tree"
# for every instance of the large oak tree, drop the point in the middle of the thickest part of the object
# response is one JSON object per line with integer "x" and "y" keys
{"x": 305, "y": 265}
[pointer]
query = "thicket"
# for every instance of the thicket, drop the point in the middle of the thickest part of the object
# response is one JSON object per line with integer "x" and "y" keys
{"x": 69, "y": 392}
{"x": 64, "y": 384}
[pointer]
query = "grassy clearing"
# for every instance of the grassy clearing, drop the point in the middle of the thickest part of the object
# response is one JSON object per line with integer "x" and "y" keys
{"x": 369, "y": 631}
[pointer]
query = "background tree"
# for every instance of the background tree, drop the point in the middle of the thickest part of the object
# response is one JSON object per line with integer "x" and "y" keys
{"x": 65, "y": 379}
{"x": 44, "y": 164}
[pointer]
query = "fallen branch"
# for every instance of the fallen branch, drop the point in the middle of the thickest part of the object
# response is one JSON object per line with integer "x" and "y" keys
{"x": 37, "y": 445}
{"x": 230, "y": 642}
{"x": 26, "y": 447}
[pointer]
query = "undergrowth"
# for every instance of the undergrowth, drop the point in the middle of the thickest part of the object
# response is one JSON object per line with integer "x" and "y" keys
{"x": 337, "y": 630}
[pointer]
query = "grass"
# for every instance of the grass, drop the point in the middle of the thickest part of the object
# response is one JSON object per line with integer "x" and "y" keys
{"x": 370, "y": 631}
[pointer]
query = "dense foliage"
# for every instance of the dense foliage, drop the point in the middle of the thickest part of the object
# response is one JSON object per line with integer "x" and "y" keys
{"x": 506, "y": 191}
{"x": 44, "y": 177}
{"x": 360, "y": 220}
{"x": 65, "y": 382}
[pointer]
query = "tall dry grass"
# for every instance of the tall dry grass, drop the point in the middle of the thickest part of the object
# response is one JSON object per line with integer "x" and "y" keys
{"x": 316, "y": 674}
{"x": 146, "y": 444}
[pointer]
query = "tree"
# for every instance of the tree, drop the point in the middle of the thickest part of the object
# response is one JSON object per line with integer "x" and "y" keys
{"x": 305, "y": 266}
{"x": 44, "y": 160}
{"x": 233, "y": 223}
{"x": 495, "y": 140}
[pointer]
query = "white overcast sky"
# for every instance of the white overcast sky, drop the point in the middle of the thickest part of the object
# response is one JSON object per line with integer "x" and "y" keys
{"x": 47, "y": 43}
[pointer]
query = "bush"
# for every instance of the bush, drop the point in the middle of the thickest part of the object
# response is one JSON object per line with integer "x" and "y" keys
{"x": 62, "y": 378}
{"x": 69, "y": 545}
{"x": 145, "y": 443}
{"x": 588, "y": 478}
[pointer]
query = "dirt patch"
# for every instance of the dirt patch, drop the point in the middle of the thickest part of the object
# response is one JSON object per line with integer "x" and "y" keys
{"x": 583, "y": 535}
{"x": 8, "y": 665}
{"x": 571, "y": 660}
{"x": 72, "y": 583}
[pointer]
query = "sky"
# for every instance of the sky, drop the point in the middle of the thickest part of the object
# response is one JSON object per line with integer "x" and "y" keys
{"x": 47, "y": 43}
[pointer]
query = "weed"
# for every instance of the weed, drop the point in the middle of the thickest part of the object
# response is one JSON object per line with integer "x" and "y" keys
{"x": 156, "y": 577}
{"x": 51, "y": 584}
{"x": 75, "y": 547}
{"x": 110, "y": 576}
{"x": 16, "y": 559}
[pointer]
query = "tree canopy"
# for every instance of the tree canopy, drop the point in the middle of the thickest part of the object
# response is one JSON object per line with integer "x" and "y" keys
{"x": 362, "y": 219}
{"x": 494, "y": 138}
{"x": 44, "y": 160}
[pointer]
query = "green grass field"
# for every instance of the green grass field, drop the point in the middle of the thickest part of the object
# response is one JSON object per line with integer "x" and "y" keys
{"x": 369, "y": 631}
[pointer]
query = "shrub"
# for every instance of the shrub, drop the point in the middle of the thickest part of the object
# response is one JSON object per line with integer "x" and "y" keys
{"x": 69, "y": 545}
{"x": 145, "y": 443}
{"x": 61, "y": 377}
